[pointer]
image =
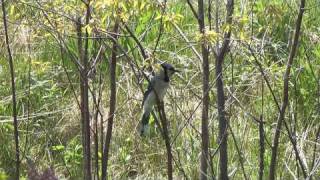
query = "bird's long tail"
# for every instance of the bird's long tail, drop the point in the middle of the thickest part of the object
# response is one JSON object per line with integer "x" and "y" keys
{"x": 143, "y": 127}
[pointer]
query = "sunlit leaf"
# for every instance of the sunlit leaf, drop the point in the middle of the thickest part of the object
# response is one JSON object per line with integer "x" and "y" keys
{"x": 57, "y": 148}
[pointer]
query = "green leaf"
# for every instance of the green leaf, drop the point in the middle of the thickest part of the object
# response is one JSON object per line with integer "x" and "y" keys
{"x": 57, "y": 148}
{"x": 3, "y": 176}
{"x": 11, "y": 11}
{"x": 128, "y": 157}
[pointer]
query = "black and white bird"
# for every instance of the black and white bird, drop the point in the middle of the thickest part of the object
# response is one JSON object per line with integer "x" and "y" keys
{"x": 157, "y": 86}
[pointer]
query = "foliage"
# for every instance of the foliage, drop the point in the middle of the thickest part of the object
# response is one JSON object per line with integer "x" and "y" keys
{"x": 43, "y": 39}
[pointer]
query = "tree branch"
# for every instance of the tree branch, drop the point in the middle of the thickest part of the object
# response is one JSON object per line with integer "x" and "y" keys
{"x": 193, "y": 10}
{"x": 285, "y": 98}
{"x": 113, "y": 62}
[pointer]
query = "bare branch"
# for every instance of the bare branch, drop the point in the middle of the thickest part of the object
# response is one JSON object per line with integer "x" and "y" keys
{"x": 193, "y": 10}
{"x": 285, "y": 98}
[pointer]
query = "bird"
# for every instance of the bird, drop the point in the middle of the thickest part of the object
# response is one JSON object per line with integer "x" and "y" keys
{"x": 157, "y": 88}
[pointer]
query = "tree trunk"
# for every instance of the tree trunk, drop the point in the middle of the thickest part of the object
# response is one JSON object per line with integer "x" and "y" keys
{"x": 223, "y": 122}
{"x": 84, "y": 104}
{"x": 205, "y": 96}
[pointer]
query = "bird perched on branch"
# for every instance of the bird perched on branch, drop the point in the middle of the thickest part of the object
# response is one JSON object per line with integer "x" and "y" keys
{"x": 156, "y": 90}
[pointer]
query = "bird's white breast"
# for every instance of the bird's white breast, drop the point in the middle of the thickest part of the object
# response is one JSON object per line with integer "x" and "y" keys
{"x": 161, "y": 88}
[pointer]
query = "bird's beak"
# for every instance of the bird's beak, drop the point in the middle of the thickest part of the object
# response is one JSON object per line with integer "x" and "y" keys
{"x": 176, "y": 71}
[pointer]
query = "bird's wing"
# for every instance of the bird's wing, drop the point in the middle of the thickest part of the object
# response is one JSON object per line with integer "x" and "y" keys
{"x": 149, "y": 89}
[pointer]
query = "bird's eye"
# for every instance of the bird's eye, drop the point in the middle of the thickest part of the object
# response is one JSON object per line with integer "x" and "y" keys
{"x": 171, "y": 69}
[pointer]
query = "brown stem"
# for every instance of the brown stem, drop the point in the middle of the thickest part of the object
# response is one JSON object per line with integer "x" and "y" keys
{"x": 193, "y": 10}
{"x": 85, "y": 100}
{"x": 13, "y": 92}
{"x": 205, "y": 96}
{"x": 164, "y": 122}
{"x": 112, "y": 105}
{"x": 160, "y": 27}
{"x": 223, "y": 123}
{"x": 261, "y": 136}
{"x": 97, "y": 100}
{"x": 142, "y": 49}
{"x": 262, "y": 148}
{"x": 285, "y": 98}
{"x": 240, "y": 154}
{"x": 84, "y": 89}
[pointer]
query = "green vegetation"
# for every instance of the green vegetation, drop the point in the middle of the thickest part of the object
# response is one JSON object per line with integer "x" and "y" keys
{"x": 44, "y": 43}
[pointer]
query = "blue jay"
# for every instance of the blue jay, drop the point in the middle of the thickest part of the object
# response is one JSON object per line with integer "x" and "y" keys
{"x": 159, "y": 83}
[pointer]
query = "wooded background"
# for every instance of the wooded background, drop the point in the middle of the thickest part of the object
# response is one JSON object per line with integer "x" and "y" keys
{"x": 246, "y": 104}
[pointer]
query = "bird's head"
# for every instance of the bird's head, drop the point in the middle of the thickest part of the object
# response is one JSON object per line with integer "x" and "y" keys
{"x": 168, "y": 69}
